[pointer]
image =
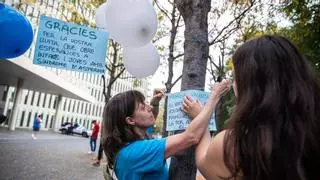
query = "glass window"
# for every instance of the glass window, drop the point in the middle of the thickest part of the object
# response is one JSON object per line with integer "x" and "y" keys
{"x": 22, "y": 118}
{"x": 29, "y": 118}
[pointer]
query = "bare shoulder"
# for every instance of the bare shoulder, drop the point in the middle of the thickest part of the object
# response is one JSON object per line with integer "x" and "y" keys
{"x": 216, "y": 148}
{"x": 215, "y": 159}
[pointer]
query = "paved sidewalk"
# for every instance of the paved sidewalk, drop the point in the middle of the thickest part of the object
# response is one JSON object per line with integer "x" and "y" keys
{"x": 52, "y": 156}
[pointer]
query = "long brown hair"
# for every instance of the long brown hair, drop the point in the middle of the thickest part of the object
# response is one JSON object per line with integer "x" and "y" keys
{"x": 117, "y": 133}
{"x": 274, "y": 130}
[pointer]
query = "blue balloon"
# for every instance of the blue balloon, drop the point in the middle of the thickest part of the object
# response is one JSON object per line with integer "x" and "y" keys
{"x": 16, "y": 32}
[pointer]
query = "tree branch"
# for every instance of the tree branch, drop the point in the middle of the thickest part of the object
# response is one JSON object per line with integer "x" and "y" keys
{"x": 107, "y": 67}
{"x": 165, "y": 12}
{"x": 179, "y": 55}
{"x": 104, "y": 87}
{"x": 230, "y": 23}
{"x": 211, "y": 62}
{"x": 117, "y": 76}
{"x": 176, "y": 80}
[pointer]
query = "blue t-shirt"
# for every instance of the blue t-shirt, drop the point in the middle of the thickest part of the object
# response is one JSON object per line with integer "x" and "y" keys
{"x": 36, "y": 123}
{"x": 142, "y": 159}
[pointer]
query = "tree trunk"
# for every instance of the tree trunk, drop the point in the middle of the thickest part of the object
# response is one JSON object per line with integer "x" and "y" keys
{"x": 169, "y": 84}
{"x": 196, "y": 52}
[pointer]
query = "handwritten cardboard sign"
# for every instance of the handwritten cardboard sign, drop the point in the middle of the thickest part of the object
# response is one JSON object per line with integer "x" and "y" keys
{"x": 176, "y": 118}
{"x": 70, "y": 46}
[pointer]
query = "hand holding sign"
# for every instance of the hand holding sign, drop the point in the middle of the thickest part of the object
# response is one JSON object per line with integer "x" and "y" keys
{"x": 191, "y": 107}
{"x": 16, "y": 32}
{"x": 176, "y": 118}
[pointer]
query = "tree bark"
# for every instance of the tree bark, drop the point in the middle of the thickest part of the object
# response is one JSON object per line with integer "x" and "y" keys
{"x": 196, "y": 52}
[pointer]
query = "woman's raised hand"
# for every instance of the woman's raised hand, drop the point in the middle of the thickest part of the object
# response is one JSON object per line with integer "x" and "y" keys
{"x": 220, "y": 89}
{"x": 191, "y": 107}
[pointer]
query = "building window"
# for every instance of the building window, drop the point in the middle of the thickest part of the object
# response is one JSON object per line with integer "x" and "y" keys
{"x": 54, "y": 102}
{"x": 89, "y": 111}
{"x": 74, "y": 106}
{"x": 78, "y": 105}
{"x": 29, "y": 118}
{"x": 93, "y": 109}
{"x": 22, "y": 118}
{"x": 88, "y": 127}
{"x": 69, "y": 106}
{"x": 47, "y": 119}
{"x": 32, "y": 99}
{"x": 50, "y": 99}
{"x": 26, "y": 98}
{"x": 44, "y": 100}
{"x": 51, "y": 122}
{"x": 81, "y": 107}
{"x": 12, "y": 95}
{"x": 39, "y": 97}
{"x": 102, "y": 96}
{"x": 65, "y": 104}
{"x": 5, "y": 93}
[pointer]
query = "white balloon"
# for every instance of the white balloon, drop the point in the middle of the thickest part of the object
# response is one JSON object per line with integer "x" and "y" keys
{"x": 132, "y": 23}
{"x": 142, "y": 61}
{"x": 101, "y": 16}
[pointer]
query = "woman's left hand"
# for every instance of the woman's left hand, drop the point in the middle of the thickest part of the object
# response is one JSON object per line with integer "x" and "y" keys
{"x": 157, "y": 95}
{"x": 191, "y": 107}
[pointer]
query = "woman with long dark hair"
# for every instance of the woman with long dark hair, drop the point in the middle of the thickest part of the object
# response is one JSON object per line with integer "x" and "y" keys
{"x": 129, "y": 151}
{"x": 274, "y": 131}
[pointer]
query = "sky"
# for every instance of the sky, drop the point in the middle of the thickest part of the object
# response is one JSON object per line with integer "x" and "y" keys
{"x": 160, "y": 76}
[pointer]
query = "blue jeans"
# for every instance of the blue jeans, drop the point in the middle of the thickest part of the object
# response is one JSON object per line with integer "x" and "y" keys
{"x": 93, "y": 143}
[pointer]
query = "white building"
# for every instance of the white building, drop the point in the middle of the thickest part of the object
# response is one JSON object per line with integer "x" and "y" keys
{"x": 60, "y": 95}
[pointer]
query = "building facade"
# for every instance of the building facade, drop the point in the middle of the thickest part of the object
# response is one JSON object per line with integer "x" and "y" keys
{"x": 71, "y": 110}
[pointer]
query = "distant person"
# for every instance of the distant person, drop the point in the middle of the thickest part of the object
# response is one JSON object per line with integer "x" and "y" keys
{"x": 94, "y": 136}
{"x": 274, "y": 130}
{"x": 36, "y": 126}
{"x": 131, "y": 155}
{"x": 100, "y": 151}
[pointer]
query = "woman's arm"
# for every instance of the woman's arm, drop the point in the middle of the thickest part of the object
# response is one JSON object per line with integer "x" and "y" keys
{"x": 192, "y": 135}
{"x": 209, "y": 153}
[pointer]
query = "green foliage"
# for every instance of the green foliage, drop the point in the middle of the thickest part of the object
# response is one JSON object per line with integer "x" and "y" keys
{"x": 137, "y": 83}
{"x": 77, "y": 9}
{"x": 228, "y": 105}
{"x": 305, "y": 32}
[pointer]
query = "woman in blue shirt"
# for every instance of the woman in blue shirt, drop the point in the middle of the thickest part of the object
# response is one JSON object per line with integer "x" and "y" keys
{"x": 129, "y": 151}
{"x": 36, "y": 126}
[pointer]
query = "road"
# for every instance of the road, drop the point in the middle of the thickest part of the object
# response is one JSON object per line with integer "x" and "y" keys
{"x": 51, "y": 156}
